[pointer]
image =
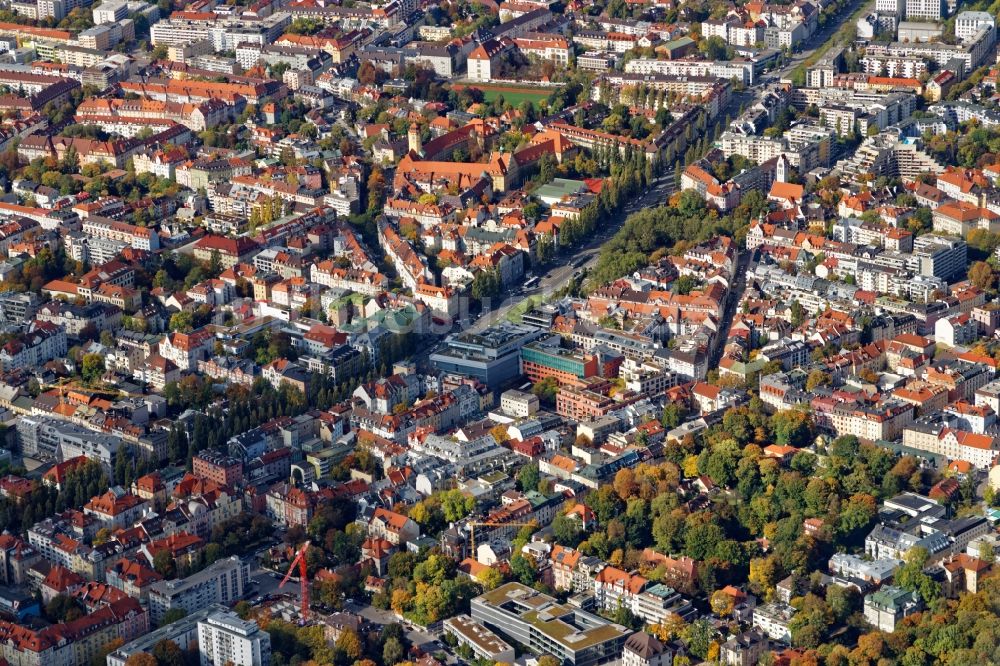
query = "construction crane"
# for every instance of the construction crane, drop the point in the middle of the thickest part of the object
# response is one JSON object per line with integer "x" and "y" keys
{"x": 473, "y": 524}
{"x": 300, "y": 560}
{"x": 61, "y": 385}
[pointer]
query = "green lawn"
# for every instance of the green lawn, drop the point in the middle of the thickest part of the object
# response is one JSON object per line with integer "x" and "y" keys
{"x": 514, "y": 98}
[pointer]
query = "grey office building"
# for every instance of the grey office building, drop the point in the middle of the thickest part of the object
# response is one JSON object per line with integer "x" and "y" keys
{"x": 493, "y": 356}
{"x": 544, "y": 626}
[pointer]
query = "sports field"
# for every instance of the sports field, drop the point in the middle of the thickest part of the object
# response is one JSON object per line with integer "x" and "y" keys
{"x": 511, "y": 94}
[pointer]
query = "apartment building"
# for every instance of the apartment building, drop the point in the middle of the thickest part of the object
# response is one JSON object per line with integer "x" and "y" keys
{"x": 641, "y": 649}
{"x": 329, "y": 274}
{"x": 223, "y": 582}
{"x": 654, "y": 603}
{"x": 218, "y": 467}
{"x": 116, "y": 509}
{"x": 52, "y": 438}
{"x": 977, "y": 449}
{"x": 16, "y": 558}
{"x": 75, "y": 642}
{"x": 883, "y": 422}
{"x": 182, "y": 632}
{"x": 395, "y": 528}
{"x": 968, "y": 24}
{"x": 853, "y": 566}
{"x": 971, "y": 53}
{"x": 226, "y": 640}
{"x": 408, "y": 263}
{"x": 133, "y": 578}
{"x": 885, "y": 608}
{"x": 774, "y": 619}
{"x": 76, "y": 320}
{"x": 17, "y": 308}
{"x": 934, "y": 10}
{"x": 40, "y": 343}
{"x": 960, "y": 329}
{"x": 185, "y": 349}
{"x": 938, "y": 256}
{"x": 582, "y": 404}
{"x": 519, "y": 404}
{"x": 742, "y": 71}
{"x": 744, "y": 649}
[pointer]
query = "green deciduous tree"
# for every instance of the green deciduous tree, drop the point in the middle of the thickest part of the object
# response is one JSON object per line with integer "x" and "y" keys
{"x": 792, "y": 427}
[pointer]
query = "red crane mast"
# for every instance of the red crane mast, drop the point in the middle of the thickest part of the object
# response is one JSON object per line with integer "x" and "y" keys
{"x": 300, "y": 560}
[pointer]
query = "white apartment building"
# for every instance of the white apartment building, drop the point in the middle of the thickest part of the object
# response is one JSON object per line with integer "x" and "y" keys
{"x": 883, "y": 423}
{"x": 138, "y": 237}
{"x": 896, "y": 7}
{"x": 968, "y": 24}
{"x": 328, "y": 274}
{"x": 641, "y": 649}
{"x": 756, "y": 148}
{"x": 989, "y": 396}
{"x": 182, "y": 632}
{"x": 978, "y": 450}
{"x": 51, "y": 438}
{"x": 895, "y": 67}
{"x": 158, "y": 163}
{"x": 58, "y": 9}
{"x": 958, "y": 329}
{"x": 223, "y": 638}
{"x": 519, "y": 404}
{"x": 774, "y": 619}
{"x": 443, "y": 301}
{"x": 39, "y": 344}
{"x": 928, "y": 9}
{"x": 647, "y": 376}
{"x": 885, "y": 608}
{"x": 176, "y": 33}
{"x": 653, "y": 603}
{"x": 110, "y": 12}
{"x": 185, "y": 349}
{"x": 741, "y": 71}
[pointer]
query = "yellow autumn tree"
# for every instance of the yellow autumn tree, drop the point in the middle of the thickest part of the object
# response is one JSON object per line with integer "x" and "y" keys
{"x": 625, "y": 484}
{"x": 764, "y": 575}
{"x": 349, "y": 643}
{"x": 401, "y": 600}
{"x": 672, "y": 627}
{"x": 420, "y": 513}
{"x": 490, "y": 578}
{"x": 722, "y": 603}
{"x": 691, "y": 467}
{"x": 499, "y": 433}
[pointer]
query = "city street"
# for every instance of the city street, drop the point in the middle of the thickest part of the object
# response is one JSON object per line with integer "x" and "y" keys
{"x": 818, "y": 40}
{"x": 557, "y": 277}
{"x": 733, "y": 298}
